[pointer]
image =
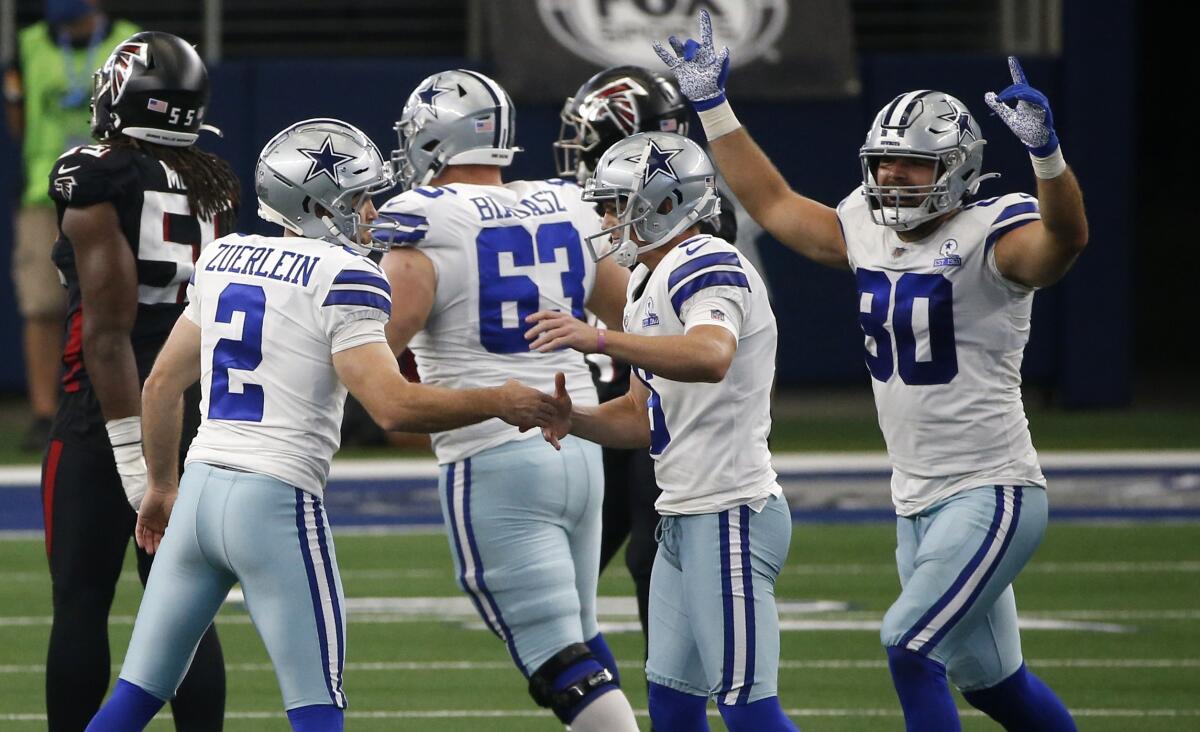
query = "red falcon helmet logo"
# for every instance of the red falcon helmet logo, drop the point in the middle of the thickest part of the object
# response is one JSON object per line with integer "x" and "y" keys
{"x": 121, "y": 62}
{"x": 615, "y": 101}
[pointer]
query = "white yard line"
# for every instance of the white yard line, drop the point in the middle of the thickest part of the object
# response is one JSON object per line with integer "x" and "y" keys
{"x": 536, "y": 713}
{"x": 835, "y": 664}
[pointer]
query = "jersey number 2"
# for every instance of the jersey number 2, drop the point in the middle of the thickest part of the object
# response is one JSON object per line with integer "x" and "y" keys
{"x": 243, "y": 354}
{"x": 942, "y": 365}
{"x": 518, "y": 293}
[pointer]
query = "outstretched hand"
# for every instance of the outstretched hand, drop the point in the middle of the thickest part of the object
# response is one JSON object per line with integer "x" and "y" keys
{"x": 525, "y": 407}
{"x": 699, "y": 68}
{"x": 560, "y": 426}
{"x": 554, "y": 330}
{"x": 1030, "y": 117}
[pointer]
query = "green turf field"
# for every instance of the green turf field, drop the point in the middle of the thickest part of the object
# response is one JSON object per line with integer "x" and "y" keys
{"x": 1133, "y": 664}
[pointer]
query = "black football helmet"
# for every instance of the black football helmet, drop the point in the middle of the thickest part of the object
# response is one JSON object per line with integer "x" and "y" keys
{"x": 153, "y": 87}
{"x": 612, "y": 105}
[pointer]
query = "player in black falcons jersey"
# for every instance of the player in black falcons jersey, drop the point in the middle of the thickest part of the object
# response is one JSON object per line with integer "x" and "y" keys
{"x": 134, "y": 211}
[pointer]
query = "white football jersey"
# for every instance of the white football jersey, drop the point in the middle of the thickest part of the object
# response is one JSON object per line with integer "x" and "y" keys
{"x": 708, "y": 441}
{"x": 945, "y": 335}
{"x": 272, "y": 312}
{"x": 501, "y": 253}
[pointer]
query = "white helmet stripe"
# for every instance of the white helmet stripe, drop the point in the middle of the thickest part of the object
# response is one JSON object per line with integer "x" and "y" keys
{"x": 902, "y": 108}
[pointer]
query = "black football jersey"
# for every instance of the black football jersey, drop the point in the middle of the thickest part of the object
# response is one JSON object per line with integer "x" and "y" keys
{"x": 151, "y": 203}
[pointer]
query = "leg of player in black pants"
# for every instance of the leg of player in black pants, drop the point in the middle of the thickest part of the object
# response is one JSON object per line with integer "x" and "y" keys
{"x": 89, "y": 525}
{"x": 629, "y": 496}
{"x": 639, "y": 556}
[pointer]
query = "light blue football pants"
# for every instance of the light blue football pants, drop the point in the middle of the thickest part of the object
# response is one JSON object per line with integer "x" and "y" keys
{"x": 523, "y": 522}
{"x": 229, "y": 526}
{"x": 957, "y": 561}
{"x": 714, "y": 627}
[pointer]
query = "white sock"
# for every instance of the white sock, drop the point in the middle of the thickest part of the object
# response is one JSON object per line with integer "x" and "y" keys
{"x": 608, "y": 713}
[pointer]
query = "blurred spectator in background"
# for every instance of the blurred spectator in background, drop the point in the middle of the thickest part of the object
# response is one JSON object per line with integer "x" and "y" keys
{"x": 46, "y": 93}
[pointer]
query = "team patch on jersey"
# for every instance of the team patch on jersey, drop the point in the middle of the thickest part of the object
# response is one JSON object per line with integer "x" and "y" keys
{"x": 65, "y": 186}
{"x": 949, "y": 257}
{"x": 651, "y": 318}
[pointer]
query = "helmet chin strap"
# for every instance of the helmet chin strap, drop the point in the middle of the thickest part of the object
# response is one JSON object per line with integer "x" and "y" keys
{"x": 341, "y": 238}
{"x": 626, "y": 254}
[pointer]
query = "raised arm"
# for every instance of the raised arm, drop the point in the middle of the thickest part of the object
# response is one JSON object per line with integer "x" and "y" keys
{"x": 800, "y": 223}
{"x": 1040, "y": 253}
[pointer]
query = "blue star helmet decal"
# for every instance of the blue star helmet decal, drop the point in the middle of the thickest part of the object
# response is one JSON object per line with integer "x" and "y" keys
{"x": 324, "y": 160}
{"x": 430, "y": 93}
{"x": 961, "y": 119}
{"x": 658, "y": 161}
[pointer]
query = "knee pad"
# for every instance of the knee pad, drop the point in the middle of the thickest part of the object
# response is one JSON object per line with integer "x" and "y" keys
{"x": 569, "y": 681}
{"x": 599, "y": 648}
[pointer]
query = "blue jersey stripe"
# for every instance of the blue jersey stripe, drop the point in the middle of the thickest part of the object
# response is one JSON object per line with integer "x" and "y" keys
{"x": 460, "y": 550}
{"x": 359, "y": 297}
{"x": 339, "y": 697}
{"x": 708, "y": 279}
{"x": 748, "y": 592}
{"x": 396, "y": 236}
{"x": 411, "y": 220}
{"x": 726, "y": 600}
{"x": 504, "y": 632}
{"x": 313, "y": 591}
{"x": 987, "y": 577}
{"x": 693, "y": 266}
{"x": 982, "y": 204}
{"x": 960, "y": 581}
{"x": 358, "y": 277}
{"x": 995, "y": 235}
{"x": 1014, "y": 210}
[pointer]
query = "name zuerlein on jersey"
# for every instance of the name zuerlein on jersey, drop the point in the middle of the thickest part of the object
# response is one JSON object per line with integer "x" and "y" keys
{"x": 297, "y": 271}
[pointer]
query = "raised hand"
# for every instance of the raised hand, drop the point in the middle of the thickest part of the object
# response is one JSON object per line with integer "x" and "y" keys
{"x": 554, "y": 330}
{"x": 1029, "y": 118}
{"x": 700, "y": 70}
{"x": 524, "y": 407}
{"x": 560, "y": 426}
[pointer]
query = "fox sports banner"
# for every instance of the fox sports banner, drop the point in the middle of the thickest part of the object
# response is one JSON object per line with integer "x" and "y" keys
{"x": 781, "y": 49}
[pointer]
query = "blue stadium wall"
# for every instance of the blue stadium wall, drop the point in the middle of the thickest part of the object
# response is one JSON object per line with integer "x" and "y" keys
{"x": 1080, "y": 347}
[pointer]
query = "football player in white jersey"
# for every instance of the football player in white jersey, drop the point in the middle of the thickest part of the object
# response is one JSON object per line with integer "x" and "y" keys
{"x": 276, "y": 329}
{"x": 946, "y": 283}
{"x": 700, "y": 335}
{"x": 475, "y": 256}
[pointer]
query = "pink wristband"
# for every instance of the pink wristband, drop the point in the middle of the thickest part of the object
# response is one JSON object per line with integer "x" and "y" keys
{"x": 600, "y": 340}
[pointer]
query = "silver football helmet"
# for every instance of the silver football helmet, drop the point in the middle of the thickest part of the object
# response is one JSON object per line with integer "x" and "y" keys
{"x": 929, "y": 125}
{"x": 661, "y": 183}
{"x": 456, "y": 117}
{"x": 326, "y": 163}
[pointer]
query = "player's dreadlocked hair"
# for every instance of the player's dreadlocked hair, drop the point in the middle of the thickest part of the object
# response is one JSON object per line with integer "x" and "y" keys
{"x": 212, "y": 187}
